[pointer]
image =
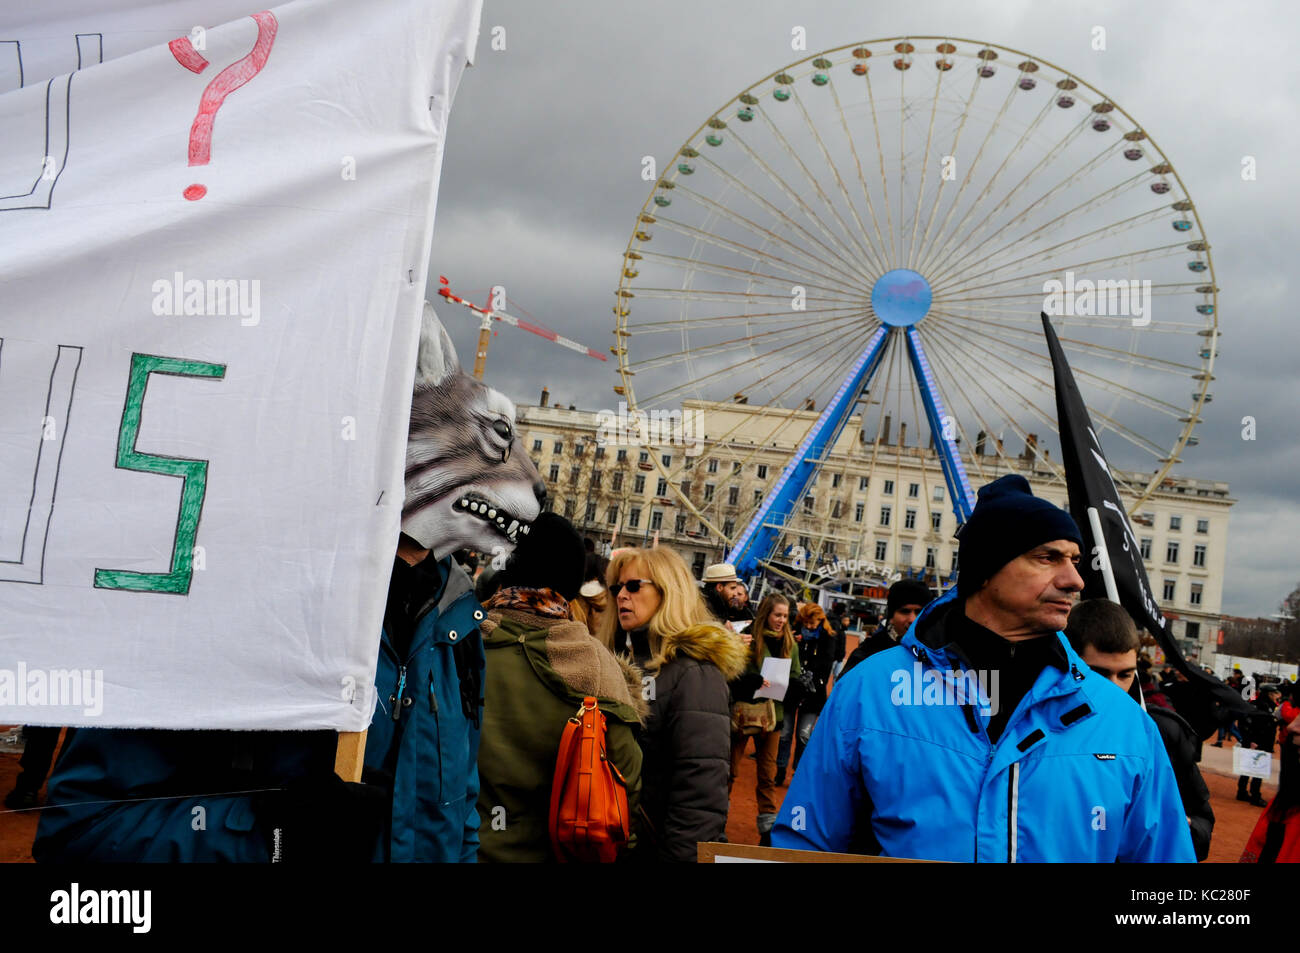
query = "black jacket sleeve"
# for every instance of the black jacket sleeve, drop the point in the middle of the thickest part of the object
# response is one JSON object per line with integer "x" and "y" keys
{"x": 1183, "y": 748}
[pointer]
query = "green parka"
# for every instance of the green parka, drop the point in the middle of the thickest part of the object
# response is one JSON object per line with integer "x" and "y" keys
{"x": 538, "y": 671}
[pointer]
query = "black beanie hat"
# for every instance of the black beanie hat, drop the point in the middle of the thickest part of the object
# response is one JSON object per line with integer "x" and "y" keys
{"x": 1007, "y": 522}
{"x": 907, "y": 592}
{"x": 551, "y": 556}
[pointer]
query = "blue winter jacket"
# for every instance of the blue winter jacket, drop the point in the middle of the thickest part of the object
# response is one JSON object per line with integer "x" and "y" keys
{"x": 140, "y": 794}
{"x": 900, "y": 764}
{"x": 420, "y": 735}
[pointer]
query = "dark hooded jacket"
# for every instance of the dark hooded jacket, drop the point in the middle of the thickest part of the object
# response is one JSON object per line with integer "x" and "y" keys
{"x": 686, "y": 741}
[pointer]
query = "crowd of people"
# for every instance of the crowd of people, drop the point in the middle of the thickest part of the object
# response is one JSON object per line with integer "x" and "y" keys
{"x": 997, "y": 722}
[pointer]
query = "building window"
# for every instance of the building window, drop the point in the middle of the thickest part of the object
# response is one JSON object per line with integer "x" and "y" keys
{"x": 758, "y": 497}
{"x": 858, "y": 510}
{"x": 600, "y": 453}
{"x": 1202, "y": 526}
{"x": 913, "y": 490}
{"x": 704, "y": 531}
{"x": 661, "y": 487}
{"x": 574, "y": 473}
{"x": 713, "y": 466}
{"x": 690, "y": 463}
{"x": 808, "y": 504}
{"x": 1144, "y": 547}
{"x": 936, "y": 521}
{"x": 611, "y": 515}
{"x": 617, "y": 484}
{"x": 634, "y": 517}
{"x": 579, "y": 449}
{"x": 686, "y": 488}
{"x": 835, "y": 481}
{"x": 708, "y": 492}
{"x": 909, "y": 519}
{"x": 882, "y": 549}
{"x": 1168, "y": 593}
{"x": 643, "y": 456}
{"x": 735, "y": 466}
{"x": 1171, "y": 552}
{"x": 638, "y": 483}
{"x": 835, "y": 510}
{"x": 555, "y": 472}
{"x": 733, "y": 496}
{"x": 666, "y": 459}
{"x": 595, "y": 480}
{"x": 537, "y": 446}
{"x": 937, "y": 495}
{"x": 929, "y": 557}
{"x": 656, "y": 519}
{"x": 1198, "y": 556}
{"x": 559, "y": 446}
{"x": 1175, "y": 523}
{"x": 905, "y": 554}
{"x": 679, "y": 525}
{"x": 728, "y": 528}
{"x": 885, "y": 513}
{"x": 953, "y": 568}
{"x": 889, "y": 488}
{"x": 568, "y": 509}
{"x": 762, "y": 471}
{"x": 1194, "y": 598}
{"x": 590, "y": 515}
{"x": 621, "y": 456}
{"x": 862, "y": 484}
{"x": 1193, "y": 630}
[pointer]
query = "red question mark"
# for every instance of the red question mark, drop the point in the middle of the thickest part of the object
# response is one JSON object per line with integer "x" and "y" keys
{"x": 227, "y": 81}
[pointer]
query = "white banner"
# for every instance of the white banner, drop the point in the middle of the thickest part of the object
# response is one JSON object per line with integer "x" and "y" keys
{"x": 215, "y": 223}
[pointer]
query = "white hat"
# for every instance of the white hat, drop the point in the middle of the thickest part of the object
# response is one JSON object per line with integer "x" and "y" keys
{"x": 591, "y": 589}
{"x": 720, "y": 572}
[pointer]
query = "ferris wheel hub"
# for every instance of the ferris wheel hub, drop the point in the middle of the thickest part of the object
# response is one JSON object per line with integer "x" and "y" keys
{"x": 900, "y": 298}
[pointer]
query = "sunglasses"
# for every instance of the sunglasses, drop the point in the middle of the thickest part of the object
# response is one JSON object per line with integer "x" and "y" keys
{"x": 633, "y": 586}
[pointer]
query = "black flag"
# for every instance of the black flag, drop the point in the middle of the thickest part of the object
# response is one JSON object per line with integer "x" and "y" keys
{"x": 1094, "y": 500}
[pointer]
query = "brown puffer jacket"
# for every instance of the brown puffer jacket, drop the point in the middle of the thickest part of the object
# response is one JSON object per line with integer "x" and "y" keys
{"x": 687, "y": 743}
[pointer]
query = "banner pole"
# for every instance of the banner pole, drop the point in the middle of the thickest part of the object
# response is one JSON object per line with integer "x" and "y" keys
{"x": 350, "y": 755}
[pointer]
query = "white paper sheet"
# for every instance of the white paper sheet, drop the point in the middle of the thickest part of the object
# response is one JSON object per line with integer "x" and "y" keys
{"x": 777, "y": 672}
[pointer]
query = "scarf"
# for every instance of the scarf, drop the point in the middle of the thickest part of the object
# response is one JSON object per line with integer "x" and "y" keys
{"x": 543, "y": 602}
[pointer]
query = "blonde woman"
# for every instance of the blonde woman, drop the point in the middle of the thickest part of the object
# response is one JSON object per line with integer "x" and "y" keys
{"x": 660, "y": 618}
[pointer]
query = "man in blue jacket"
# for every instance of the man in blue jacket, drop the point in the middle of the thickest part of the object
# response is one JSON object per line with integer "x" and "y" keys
{"x": 982, "y": 736}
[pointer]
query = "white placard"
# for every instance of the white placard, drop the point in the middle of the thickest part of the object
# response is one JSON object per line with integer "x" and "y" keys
{"x": 777, "y": 673}
{"x": 1252, "y": 763}
{"x": 215, "y": 224}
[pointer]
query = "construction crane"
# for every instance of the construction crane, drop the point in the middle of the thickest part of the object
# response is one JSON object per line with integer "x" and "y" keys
{"x": 487, "y": 315}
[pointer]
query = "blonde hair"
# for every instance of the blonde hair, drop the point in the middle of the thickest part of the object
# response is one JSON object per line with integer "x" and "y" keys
{"x": 761, "y": 628}
{"x": 581, "y": 609}
{"x": 681, "y": 603}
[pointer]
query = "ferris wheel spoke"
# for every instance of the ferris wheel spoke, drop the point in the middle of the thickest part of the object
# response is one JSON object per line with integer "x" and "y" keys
{"x": 1075, "y": 346}
{"x": 1057, "y": 150}
{"x": 958, "y": 237}
{"x": 744, "y": 343}
{"x": 961, "y": 189}
{"x": 844, "y": 253}
{"x": 726, "y": 320}
{"x": 861, "y": 235}
{"x": 862, "y": 180}
{"x": 1012, "y": 318}
{"x": 957, "y": 274}
{"x": 1159, "y": 251}
{"x": 938, "y": 194}
{"x": 836, "y": 265}
{"x": 1097, "y": 380}
{"x": 884, "y": 179}
{"x": 925, "y": 169}
{"x": 746, "y": 274}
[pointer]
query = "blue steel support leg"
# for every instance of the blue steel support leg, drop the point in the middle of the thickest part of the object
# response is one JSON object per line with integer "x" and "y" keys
{"x": 760, "y": 537}
{"x": 954, "y": 473}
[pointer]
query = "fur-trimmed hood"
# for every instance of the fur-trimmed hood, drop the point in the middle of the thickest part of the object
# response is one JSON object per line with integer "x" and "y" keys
{"x": 705, "y": 643}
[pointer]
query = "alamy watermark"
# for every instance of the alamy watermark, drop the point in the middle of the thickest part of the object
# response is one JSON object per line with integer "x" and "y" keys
{"x": 52, "y": 688}
{"x": 933, "y": 686}
{"x": 657, "y": 428}
{"x": 1127, "y": 298}
{"x": 215, "y": 297}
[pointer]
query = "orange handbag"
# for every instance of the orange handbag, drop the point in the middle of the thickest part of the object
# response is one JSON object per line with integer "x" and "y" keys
{"x": 589, "y": 813}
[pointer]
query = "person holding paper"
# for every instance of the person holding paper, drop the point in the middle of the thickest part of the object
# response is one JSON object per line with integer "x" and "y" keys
{"x": 1258, "y": 731}
{"x": 754, "y": 702}
{"x": 728, "y": 599}
{"x": 982, "y": 736}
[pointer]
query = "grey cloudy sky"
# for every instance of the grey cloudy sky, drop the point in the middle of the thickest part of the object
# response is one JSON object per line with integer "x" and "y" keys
{"x": 541, "y": 185}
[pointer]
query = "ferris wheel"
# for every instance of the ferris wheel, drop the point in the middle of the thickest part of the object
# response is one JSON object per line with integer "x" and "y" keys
{"x": 865, "y": 238}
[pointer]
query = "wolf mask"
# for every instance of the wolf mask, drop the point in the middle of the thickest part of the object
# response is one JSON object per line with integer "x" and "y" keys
{"x": 469, "y": 483}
